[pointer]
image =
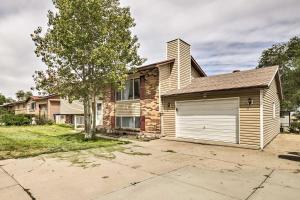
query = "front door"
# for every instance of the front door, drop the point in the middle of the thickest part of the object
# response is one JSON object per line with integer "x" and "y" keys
{"x": 99, "y": 114}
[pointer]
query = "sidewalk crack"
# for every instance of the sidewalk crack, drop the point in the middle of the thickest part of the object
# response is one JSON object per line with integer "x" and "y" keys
{"x": 267, "y": 176}
{"x": 25, "y": 189}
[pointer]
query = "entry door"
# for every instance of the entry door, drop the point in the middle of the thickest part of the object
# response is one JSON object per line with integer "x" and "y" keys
{"x": 99, "y": 114}
{"x": 215, "y": 120}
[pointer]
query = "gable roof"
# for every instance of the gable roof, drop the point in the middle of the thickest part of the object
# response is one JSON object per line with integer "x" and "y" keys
{"x": 157, "y": 64}
{"x": 255, "y": 78}
{"x": 194, "y": 64}
{"x": 197, "y": 67}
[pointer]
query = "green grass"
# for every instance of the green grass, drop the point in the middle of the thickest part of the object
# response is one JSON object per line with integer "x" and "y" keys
{"x": 26, "y": 141}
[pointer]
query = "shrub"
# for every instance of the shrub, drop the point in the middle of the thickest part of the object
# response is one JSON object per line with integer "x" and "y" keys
{"x": 43, "y": 121}
{"x": 295, "y": 127}
{"x": 15, "y": 120}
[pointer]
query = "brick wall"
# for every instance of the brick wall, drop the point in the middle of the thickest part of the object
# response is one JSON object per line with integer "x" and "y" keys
{"x": 149, "y": 104}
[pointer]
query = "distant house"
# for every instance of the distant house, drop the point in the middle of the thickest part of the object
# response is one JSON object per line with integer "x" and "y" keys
{"x": 51, "y": 107}
{"x": 285, "y": 120}
{"x": 42, "y": 106}
{"x": 72, "y": 113}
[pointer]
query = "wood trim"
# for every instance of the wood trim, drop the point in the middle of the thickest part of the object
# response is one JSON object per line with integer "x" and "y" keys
{"x": 142, "y": 87}
{"x": 112, "y": 121}
{"x": 142, "y": 123}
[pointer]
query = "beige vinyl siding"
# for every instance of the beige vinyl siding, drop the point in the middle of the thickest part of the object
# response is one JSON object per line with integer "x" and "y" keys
{"x": 194, "y": 73}
{"x": 250, "y": 119}
{"x": 271, "y": 125}
{"x": 172, "y": 52}
{"x": 164, "y": 78}
{"x": 53, "y": 108}
{"x": 249, "y": 115}
{"x": 76, "y": 107}
{"x": 184, "y": 64}
{"x": 128, "y": 108}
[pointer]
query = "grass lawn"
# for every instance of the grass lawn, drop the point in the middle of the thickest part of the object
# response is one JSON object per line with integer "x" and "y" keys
{"x": 25, "y": 141}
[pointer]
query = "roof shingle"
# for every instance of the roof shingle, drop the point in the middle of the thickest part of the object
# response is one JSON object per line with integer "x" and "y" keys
{"x": 244, "y": 79}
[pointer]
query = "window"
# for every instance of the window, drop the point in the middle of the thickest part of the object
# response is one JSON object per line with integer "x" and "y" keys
{"x": 274, "y": 110}
{"x": 131, "y": 90}
{"x": 32, "y": 106}
{"x": 128, "y": 122}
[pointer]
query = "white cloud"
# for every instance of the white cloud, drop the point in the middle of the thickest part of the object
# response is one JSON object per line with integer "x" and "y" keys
{"x": 224, "y": 35}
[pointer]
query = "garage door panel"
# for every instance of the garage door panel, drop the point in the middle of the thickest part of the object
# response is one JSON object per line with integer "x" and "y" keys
{"x": 226, "y": 132}
{"x": 207, "y": 126}
{"x": 209, "y": 120}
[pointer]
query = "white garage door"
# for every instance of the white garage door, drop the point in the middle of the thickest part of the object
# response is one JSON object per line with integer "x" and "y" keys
{"x": 215, "y": 120}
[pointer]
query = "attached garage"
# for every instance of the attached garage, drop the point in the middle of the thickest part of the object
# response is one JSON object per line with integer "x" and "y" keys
{"x": 212, "y": 119}
{"x": 239, "y": 108}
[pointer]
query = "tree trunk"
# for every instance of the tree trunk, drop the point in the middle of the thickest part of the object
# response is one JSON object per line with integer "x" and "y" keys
{"x": 88, "y": 119}
{"x": 85, "y": 115}
{"x": 94, "y": 115}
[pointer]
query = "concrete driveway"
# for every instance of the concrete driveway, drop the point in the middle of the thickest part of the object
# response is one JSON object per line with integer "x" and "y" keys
{"x": 158, "y": 169}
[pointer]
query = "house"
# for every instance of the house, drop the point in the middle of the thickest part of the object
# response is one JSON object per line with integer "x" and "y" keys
{"x": 70, "y": 113}
{"x": 174, "y": 98}
{"x": 42, "y": 106}
{"x": 285, "y": 120}
{"x": 52, "y": 107}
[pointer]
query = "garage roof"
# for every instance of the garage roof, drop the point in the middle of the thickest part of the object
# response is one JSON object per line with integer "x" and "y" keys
{"x": 256, "y": 78}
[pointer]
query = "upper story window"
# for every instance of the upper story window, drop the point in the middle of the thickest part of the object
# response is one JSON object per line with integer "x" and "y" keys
{"x": 32, "y": 106}
{"x": 130, "y": 92}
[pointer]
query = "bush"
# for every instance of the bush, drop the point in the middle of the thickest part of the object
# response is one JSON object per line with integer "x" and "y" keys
{"x": 295, "y": 127}
{"x": 43, "y": 121}
{"x": 15, "y": 120}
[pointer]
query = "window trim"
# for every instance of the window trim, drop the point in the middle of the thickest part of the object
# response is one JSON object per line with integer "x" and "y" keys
{"x": 134, "y": 122}
{"x": 34, "y": 107}
{"x": 133, "y": 91}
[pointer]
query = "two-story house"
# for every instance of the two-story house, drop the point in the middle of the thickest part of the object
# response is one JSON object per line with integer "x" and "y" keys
{"x": 42, "y": 106}
{"x": 176, "y": 99}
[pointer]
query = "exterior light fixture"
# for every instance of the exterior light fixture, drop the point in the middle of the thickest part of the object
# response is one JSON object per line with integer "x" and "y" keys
{"x": 250, "y": 101}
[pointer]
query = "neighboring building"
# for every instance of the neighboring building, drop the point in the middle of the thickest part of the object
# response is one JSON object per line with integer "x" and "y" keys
{"x": 285, "y": 120}
{"x": 175, "y": 98}
{"x": 42, "y": 106}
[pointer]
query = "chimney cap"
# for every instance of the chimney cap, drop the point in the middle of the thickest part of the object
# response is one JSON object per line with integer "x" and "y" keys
{"x": 180, "y": 40}
{"x": 235, "y": 71}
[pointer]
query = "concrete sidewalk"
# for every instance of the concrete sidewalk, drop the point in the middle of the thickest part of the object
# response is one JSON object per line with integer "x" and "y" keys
{"x": 10, "y": 189}
{"x": 158, "y": 169}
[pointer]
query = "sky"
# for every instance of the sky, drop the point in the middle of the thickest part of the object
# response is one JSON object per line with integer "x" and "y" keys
{"x": 224, "y": 35}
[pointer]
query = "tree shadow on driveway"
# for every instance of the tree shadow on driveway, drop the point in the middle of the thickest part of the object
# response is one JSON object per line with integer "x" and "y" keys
{"x": 293, "y": 156}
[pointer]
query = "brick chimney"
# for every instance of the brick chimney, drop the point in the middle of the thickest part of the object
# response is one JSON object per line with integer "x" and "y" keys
{"x": 181, "y": 72}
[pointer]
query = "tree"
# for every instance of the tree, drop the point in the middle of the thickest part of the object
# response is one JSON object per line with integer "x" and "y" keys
{"x": 287, "y": 56}
{"x": 22, "y": 96}
{"x": 2, "y": 99}
{"x": 88, "y": 48}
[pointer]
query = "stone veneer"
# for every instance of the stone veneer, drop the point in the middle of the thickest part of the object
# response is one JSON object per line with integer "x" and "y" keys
{"x": 108, "y": 111}
{"x": 149, "y": 105}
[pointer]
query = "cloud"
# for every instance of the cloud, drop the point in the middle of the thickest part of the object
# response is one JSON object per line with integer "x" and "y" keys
{"x": 225, "y": 35}
{"x": 18, "y": 19}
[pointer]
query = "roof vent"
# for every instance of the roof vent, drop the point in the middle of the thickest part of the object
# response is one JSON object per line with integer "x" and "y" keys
{"x": 237, "y": 70}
